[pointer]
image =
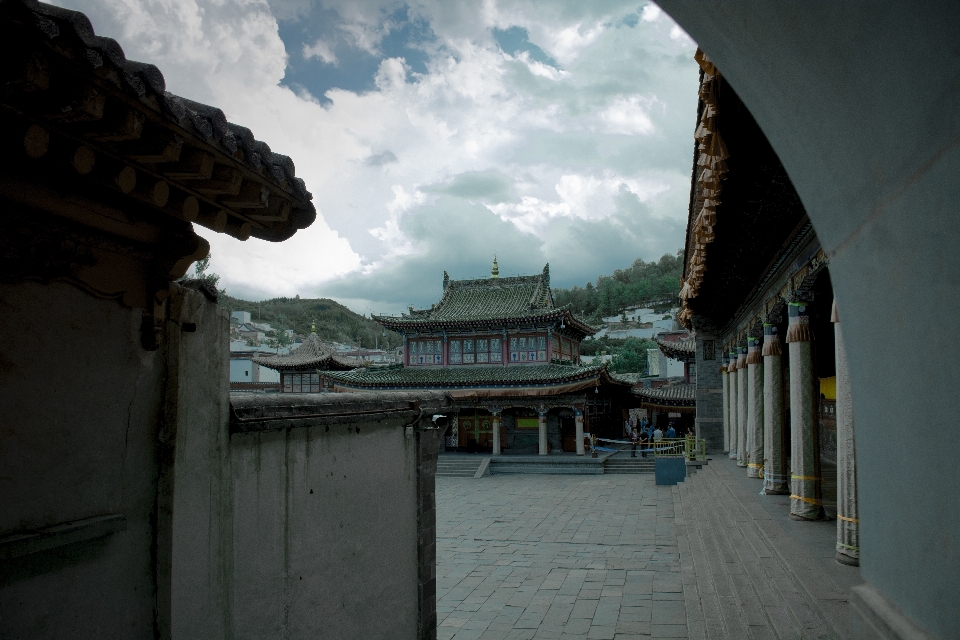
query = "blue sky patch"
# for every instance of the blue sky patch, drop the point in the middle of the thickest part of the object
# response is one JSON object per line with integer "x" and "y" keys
{"x": 515, "y": 40}
{"x": 354, "y": 68}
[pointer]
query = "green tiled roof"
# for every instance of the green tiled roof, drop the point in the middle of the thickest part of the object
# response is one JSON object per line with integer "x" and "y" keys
{"x": 525, "y": 298}
{"x": 467, "y": 376}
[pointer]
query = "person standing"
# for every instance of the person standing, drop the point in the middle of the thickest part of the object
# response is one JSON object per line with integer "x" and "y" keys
{"x": 671, "y": 432}
{"x": 657, "y": 435}
{"x": 634, "y": 439}
{"x": 644, "y": 444}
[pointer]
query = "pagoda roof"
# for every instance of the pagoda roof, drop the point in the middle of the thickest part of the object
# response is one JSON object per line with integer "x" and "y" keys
{"x": 675, "y": 397}
{"x": 80, "y": 89}
{"x": 491, "y": 301}
{"x": 311, "y": 355}
{"x": 477, "y": 377}
{"x": 684, "y": 349}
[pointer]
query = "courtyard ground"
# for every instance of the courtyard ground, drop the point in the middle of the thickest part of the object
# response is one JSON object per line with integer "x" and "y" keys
{"x": 618, "y": 557}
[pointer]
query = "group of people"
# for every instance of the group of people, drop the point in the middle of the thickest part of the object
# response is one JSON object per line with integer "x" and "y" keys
{"x": 645, "y": 433}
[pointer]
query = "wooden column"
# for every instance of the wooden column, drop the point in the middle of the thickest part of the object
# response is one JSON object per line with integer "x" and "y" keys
{"x": 732, "y": 402}
{"x": 742, "y": 406}
{"x": 578, "y": 421}
{"x": 775, "y": 478}
{"x": 725, "y": 382}
{"x": 754, "y": 408}
{"x": 542, "y": 426}
{"x": 806, "y": 485}
{"x": 496, "y": 430}
{"x": 848, "y": 515}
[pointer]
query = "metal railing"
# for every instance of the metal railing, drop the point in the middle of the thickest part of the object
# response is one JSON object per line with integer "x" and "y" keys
{"x": 689, "y": 447}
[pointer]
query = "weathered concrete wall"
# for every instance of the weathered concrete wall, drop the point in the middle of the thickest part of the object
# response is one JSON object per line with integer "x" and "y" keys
{"x": 80, "y": 400}
{"x": 709, "y": 421}
{"x": 334, "y": 517}
{"x": 875, "y": 163}
{"x": 196, "y": 471}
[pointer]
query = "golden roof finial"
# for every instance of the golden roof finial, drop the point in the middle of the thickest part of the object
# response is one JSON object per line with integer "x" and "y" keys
{"x": 313, "y": 327}
{"x": 495, "y": 271}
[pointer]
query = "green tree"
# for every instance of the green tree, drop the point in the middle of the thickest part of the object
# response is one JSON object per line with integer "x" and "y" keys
{"x": 278, "y": 338}
{"x": 632, "y": 356}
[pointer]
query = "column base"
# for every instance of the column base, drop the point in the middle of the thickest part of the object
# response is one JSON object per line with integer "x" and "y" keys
{"x": 816, "y": 518}
{"x": 732, "y": 456}
{"x": 850, "y": 561}
{"x": 767, "y": 491}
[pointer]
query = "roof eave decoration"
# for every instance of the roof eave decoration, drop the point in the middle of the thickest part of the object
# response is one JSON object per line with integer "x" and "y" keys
{"x": 682, "y": 350}
{"x": 709, "y": 170}
{"x": 76, "y": 101}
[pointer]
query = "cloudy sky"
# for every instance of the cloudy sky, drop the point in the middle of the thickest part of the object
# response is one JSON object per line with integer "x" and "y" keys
{"x": 435, "y": 133}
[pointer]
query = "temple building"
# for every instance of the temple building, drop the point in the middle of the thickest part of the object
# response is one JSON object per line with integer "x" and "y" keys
{"x": 510, "y": 358}
{"x": 300, "y": 370}
{"x": 756, "y": 277}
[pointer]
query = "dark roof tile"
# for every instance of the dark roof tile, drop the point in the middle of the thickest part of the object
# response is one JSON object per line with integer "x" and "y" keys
{"x": 312, "y": 354}
{"x": 467, "y": 376}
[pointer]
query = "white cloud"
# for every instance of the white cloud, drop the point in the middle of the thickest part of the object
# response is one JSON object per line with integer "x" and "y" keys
{"x": 575, "y": 143}
{"x": 583, "y": 197}
{"x": 678, "y": 34}
{"x": 650, "y": 13}
{"x": 627, "y": 115}
{"x": 320, "y": 49}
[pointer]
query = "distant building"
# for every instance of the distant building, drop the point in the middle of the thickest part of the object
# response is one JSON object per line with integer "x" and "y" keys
{"x": 511, "y": 360}
{"x": 300, "y": 370}
{"x": 242, "y": 317}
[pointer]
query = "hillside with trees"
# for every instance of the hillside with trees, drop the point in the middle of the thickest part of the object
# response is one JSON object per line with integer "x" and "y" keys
{"x": 334, "y": 321}
{"x": 638, "y": 283}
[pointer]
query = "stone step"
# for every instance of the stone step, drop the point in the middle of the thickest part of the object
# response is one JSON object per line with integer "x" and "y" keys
{"x": 451, "y": 467}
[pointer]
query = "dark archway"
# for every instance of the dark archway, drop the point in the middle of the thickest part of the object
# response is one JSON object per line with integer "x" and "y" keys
{"x": 858, "y": 102}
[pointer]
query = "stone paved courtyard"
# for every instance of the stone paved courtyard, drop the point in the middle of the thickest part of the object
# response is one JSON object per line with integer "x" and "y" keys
{"x": 615, "y": 556}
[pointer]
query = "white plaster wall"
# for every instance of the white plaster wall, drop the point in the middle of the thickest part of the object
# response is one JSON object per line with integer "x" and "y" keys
{"x": 238, "y": 369}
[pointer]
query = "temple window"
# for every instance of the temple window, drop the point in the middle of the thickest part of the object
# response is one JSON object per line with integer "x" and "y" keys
{"x": 475, "y": 351}
{"x": 528, "y": 348}
{"x": 301, "y": 382}
{"x": 426, "y": 352}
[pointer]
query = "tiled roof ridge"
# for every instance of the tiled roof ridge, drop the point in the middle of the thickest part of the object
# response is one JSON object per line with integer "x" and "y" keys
{"x": 312, "y": 350}
{"x": 491, "y": 282}
{"x": 683, "y": 394}
{"x": 472, "y": 375}
{"x": 67, "y": 29}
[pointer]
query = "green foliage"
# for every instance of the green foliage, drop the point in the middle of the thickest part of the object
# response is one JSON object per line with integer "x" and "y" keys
{"x": 200, "y": 268}
{"x": 334, "y": 321}
{"x": 278, "y": 338}
{"x": 632, "y": 356}
{"x": 641, "y": 282}
{"x": 629, "y": 356}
